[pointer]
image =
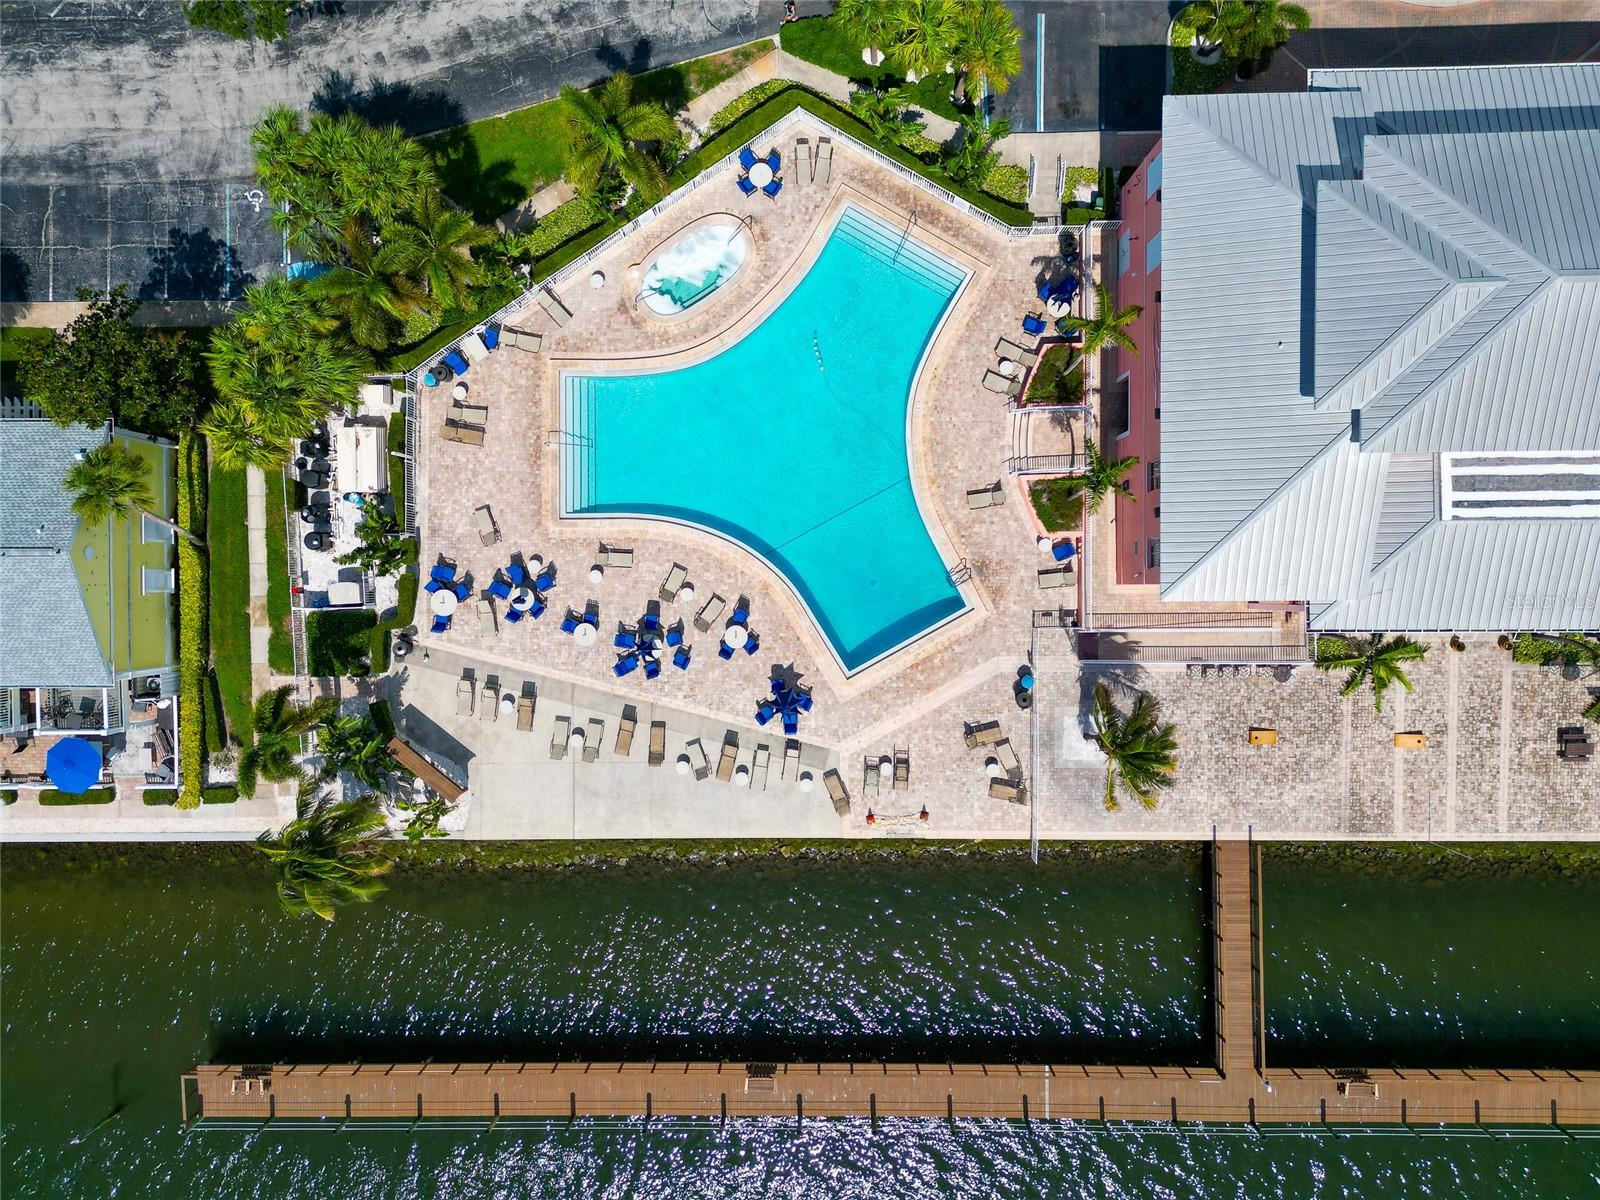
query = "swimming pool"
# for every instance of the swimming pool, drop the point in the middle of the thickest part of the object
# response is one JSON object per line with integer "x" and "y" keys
{"x": 792, "y": 442}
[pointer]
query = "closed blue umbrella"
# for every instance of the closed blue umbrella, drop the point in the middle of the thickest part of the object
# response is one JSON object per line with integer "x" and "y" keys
{"x": 73, "y": 765}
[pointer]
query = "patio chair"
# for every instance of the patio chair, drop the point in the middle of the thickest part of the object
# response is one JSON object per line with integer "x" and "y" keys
{"x": 467, "y": 435}
{"x": 984, "y": 734}
{"x": 741, "y": 611}
{"x": 802, "y": 160}
{"x": 615, "y": 556}
{"x": 871, "y": 775}
{"x": 488, "y": 531}
{"x": 709, "y": 613}
{"x": 499, "y": 587}
{"x": 730, "y": 751}
{"x": 765, "y": 711}
{"x": 791, "y": 724}
{"x": 652, "y": 667}
{"x": 804, "y": 696}
{"x": 658, "y": 743}
{"x": 1007, "y": 754}
{"x": 513, "y": 615}
{"x": 486, "y": 618}
{"x": 626, "y": 638}
{"x": 747, "y": 158}
{"x": 626, "y": 665}
{"x": 433, "y": 586}
{"x": 456, "y": 363}
{"x": 591, "y": 614}
{"x": 558, "y": 312}
{"x": 570, "y": 622}
{"x": 463, "y": 697}
{"x": 490, "y": 336}
{"x": 752, "y": 643}
{"x": 745, "y": 186}
{"x": 444, "y": 571}
{"x": 1034, "y": 323}
{"x": 625, "y": 728}
{"x": 758, "y": 767}
{"x": 474, "y": 347}
{"x": 1004, "y": 384}
{"x": 675, "y": 634}
{"x": 516, "y": 572}
{"x": 489, "y": 704}
{"x": 440, "y": 624}
{"x": 521, "y": 340}
{"x": 559, "y": 738}
{"x": 1006, "y": 348}
{"x": 902, "y": 768}
{"x": 591, "y": 744}
{"x": 774, "y": 160}
{"x": 536, "y": 609}
{"x": 680, "y": 658}
{"x": 1063, "y": 550}
{"x": 823, "y": 167}
{"x": 837, "y": 792}
{"x": 546, "y": 580}
{"x": 988, "y": 497}
{"x": 525, "y": 714}
{"x": 673, "y": 584}
{"x": 461, "y": 590}
{"x": 791, "y": 760}
{"x": 771, "y": 190}
{"x": 1008, "y": 789}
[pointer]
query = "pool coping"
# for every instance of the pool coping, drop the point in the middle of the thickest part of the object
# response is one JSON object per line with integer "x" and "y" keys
{"x": 975, "y": 605}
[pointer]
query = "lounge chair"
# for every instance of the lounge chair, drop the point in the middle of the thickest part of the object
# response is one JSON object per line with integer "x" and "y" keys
{"x": 474, "y": 347}
{"x": 870, "y": 775}
{"x": 710, "y": 613}
{"x": 765, "y": 711}
{"x": 471, "y": 414}
{"x": 747, "y": 158}
{"x": 626, "y": 665}
{"x": 467, "y": 435}
{"x": 745, "y": 186}
{"x": 1006, "y": 348}
{"x": 486, "y": 618}
{"x": 1059, "y": 577}
{"x": 1007, "y": 755}
{"x": 1008, "y": 789}
{"x": 758, "y": 767}
{"x": 463, "y": 697}
{"x": 558, "y": 312}
{"x": 902, "y": 768}
{"x": 499, "y": 588}
{"x": 488, "y": 531}
{"x": 443, "y": 572}
{"x": 802, "y": 160}
{"x": 791, "y": 760}
{"x": 489, "y": 704}
{"x": 440, "y": 624}
{"x": 658, "y": 743}
{"x": 625, "y": 728}
{"x": 771, "y": 190}
{"x": 614, "y": 556}
{"x": 559, "y": 737}
{"x": 456, "y": 363}
{"x": 1034, "y": 323}
{"x": 1004, "y": 384}
{"x": 525, "y": 714}
{"x": 988, "y": 497}
{"x": 591, "y": 743}
{"x": 791, "y": 724}
{"x": 522, "y": 341}
{"x": 730, "y": 751}
{"x": 698, "y": 761}
{"x": 490, "y": 336}
{"x": 680, "y": 658}
{"x": 837, "y": 792}
{"x": 546, "y": 580}
{"x": 984, "y": 734}
{"x": 673, "y": 584}
{"x": 626, "y": 638}
{"x": 823, "y": 167}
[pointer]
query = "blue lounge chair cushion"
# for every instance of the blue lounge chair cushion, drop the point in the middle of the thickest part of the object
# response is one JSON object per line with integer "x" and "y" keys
{"x": 625, "y": 640}
{"x": 433, "y": 586}
{"x": 568, "y": 623}
{"x": 545, "y": 582}
{"x": 772, "y": 189}
{"x": 456, "y": 363}
{"x": 777, "y": 685}
{"x": 747, "y": 158}
{"x": 774, "y": 160}
{"x": 681, "y": 658}
{"x": 490, "y": 336}
{"x": 443, "y": 573}
{"x": 513, "y": 615}
{"x": 500, "y": 590}
{"x": 462, "y": 591}
{"x": 440, "y": 624}
{"x": 1032, "y": 325}
{"x": 724, "y": 650}
{"x": 674, "y": 637}
{"x": 625, "y": 664}
{"x": 745, "y": 186}
{"x": 1062, "y": 551}
{"x": 516, "y": 574}
{"x": 741, "y": 614}
{"x": 791, "y": 724}
{"x": 652, "y": 667}
{"x": 537, "y": 609}
{"x": 752, "y": 645}
{"x": 763, "y": 715}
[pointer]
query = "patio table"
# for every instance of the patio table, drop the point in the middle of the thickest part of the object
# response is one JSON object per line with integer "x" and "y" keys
{"x": 761, "y": 174}
{"x": 735, "y": 636}
{"x": 1007, "y": 366}
{"x": 508, "y": 704}
{"x": 522, "y": 599}
{"x": 444, "y": 602}
{"x": 584, "y": 633}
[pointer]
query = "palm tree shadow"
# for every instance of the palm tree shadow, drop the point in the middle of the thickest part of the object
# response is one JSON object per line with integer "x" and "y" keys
{"x": 387, "y": 102}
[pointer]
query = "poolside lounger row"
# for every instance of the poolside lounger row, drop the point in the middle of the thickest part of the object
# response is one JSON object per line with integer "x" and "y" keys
{"x": 823, "y": 167}
{"x": 615, "y": 556}
{"x": 1007, "y": 754}
{"x": 730, "y": 751}
{"x": 1004, "y": 384}
{"x": 987, "y": 497}
{"x": 1057, "y": 577}
{"x": 521, "y": 339}
{"x": 558, "y": 312}
{"x": 698, "y": 762}
{"x": 658, "y": 743}
{"x": 488, "y": 531}
{"x": 559, "y": 737}
{"x": 625, "y": 728}
{"x": 1006, "y": 348}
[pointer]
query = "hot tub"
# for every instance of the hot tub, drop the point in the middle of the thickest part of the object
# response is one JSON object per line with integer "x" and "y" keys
{"x": 693, "y": 267}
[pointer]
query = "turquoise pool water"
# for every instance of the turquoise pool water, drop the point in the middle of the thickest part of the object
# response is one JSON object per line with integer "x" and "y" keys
{"x": 793, "y": 441}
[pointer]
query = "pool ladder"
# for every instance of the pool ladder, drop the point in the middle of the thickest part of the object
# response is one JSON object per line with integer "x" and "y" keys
{"x": 959, "y": 573}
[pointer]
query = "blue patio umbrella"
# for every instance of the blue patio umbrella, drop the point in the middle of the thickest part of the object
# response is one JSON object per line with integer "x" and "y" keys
{"x": 73, "y": 765}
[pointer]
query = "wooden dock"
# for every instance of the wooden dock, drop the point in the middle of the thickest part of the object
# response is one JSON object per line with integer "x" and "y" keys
{"x": 1239, "y": 1090}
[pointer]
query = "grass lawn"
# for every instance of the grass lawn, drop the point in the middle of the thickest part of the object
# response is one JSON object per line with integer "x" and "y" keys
{"x": 230, "y": 599}
{"x": 280, "y": 647}
{"x": 1049, "y": 386}
{"x": 339, "y": 643}
{"x": 1059, "y": 503}
{"x": 818, "y": 40}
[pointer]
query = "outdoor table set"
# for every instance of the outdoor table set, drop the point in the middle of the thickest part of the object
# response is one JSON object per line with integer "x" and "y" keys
{"x": 446, "y": 592}
{"x": 738, "y": 634}
{"x": 760, "y": 174}
{"x": 645, "y": 643}
{"x": 789, "y": 700}
{"x": 524, "y": 588}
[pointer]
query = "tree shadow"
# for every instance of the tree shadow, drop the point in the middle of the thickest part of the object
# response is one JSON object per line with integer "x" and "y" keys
{"x": 484, "y": 189}
{"x": 194, "y": 266}
{"x": 635, "y": 62}
{"x": 387, "y": 102}
{"x": 16, "y": 276}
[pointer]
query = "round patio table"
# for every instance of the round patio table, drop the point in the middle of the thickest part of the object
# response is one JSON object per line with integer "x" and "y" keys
{"x": 805, "y": 781}
{"x": 885, "y": 768}
{"x": 761, "y": 174}
{"x": 597, "y": 280}
{"x": 584, "y": 633}
{"x": 735, "y": 636}
{"x": 459, "y": 392}
{"x": 522, "y": 599}
{"x": 992, "y": 765}
{"x": 686, "y": 593}
{"x": 682, "y": 765}
{"x": 741, "y": 775}
{"x": 508, "y": 704}
{"x": 1007, "y": 366}
{"x": 444, "y": 602}
{"x": 596, "y": 573}
{"x": 1057, "y": 308}
{"x": 575, "y": 740}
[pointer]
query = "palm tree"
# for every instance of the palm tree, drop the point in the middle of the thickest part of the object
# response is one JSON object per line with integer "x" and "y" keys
{"x": 1269, "y": 24}
{"x": 925, "y": 33}
{"x": 280, "y": 724}
{"x": 327, "y": 856}
{"x": 1141, "y": 751}
{"x": 431, "y": 247}
{"x": 1374, "y": 658}
{"x": 971, "y": 161}
{"x": 113, "y": 481}
{"x": 987, "y": 49}
{"x": 870, "y": 22}
{"x": 1223, "y": 24}
{"x": 370, "y": 292}
{"x": 353, "y": 745}
{"x": 381, "y": 548}
{"x": 1109, "y": 324}
{"x": 610, "y": 132}
{"x": 1103, "y": 475}
{"x": 884, "y": 113}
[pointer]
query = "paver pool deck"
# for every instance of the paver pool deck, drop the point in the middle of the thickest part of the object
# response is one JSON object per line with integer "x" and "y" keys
{"x": 1489, "y": 770}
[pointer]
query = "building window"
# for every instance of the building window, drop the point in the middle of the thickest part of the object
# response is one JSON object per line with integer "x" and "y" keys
{"x": 1152, "y": 254}
{"x": 1152, "y": 472}
{"x": 1153, "y": 558}
{"x": 1152, "y": 178}
{"x": 1124, "y": 251}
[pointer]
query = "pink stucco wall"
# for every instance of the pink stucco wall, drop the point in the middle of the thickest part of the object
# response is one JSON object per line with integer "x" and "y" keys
{"x": 1137, "y": 520}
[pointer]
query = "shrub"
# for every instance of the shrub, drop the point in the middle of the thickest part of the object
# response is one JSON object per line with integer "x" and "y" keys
{"x": 52, "y": 798}
{"x": 1059, "y": 503}
{"x": 1008, "y": 183}
{"x": 1548, "y": 650}
{"x": 339, "y": 642}
{"x": 223, "y": 794}
{"x": 382, "y": 718}
{"x": 193, "y": 644}
{"x": 1190, "y": 77}
{"x": 752, "y": 99}
{"x": 560, "y": 224}
{"x": 162, "y": 797}
{"x": 280, "y": 644}
{"x": 404, "y": 614}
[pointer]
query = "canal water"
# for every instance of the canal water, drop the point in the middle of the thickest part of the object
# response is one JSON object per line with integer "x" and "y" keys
{"x": 119, "y": 970}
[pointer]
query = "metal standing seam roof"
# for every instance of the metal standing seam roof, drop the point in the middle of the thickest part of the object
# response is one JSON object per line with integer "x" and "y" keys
{"x": 46, "y": 636}
{"x": 1407, "y": 252}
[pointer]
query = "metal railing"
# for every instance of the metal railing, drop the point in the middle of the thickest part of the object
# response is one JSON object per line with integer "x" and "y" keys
{"x": 1055, "y": 618}
{"x": 1218, "y": 655}
{"x": 291, "y": 545}
{"x": 1184, "y": 620}
{"x": 1044, "y": 464}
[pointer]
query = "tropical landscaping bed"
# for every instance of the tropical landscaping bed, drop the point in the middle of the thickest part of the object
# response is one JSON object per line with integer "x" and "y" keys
{"x": 1058, "y": 503}
{"x": 340, "y": 642}
{"x": 280, "y": 643}
{"x": 1053, "y": 382}
{"x": 824, "y": 42}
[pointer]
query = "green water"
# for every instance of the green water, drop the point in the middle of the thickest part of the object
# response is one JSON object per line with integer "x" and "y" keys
{"x": 115, "y": 979}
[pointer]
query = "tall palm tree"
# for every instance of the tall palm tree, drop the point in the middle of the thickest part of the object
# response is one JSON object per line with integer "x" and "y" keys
{"x": 1108, "y": 325}
{"x": 1376, "y": 659}
{"x": 924, "y": 36}
{"x": 431, "y": 247}
{"x": 113, "y": 481}
{"x": 280, "y": 724}
{"x": 1141, "y": 750}
{"x": 235, "y": 443}
{"x": 610, "y": 132}
{"x": 987, "y": 49}
{"x": 370, "y": 291}
{"x": 1103, "y": 475}
{"x": 327, "y": 856}
{"x": 353, "y": 745}
{"x": 1270, "y": 24}
{"x": 971, "y": 161}
{"x": 870, "y": 22}
{"x": 1224, "y": 24}
{"x": 884, "y": 113}
{"x": 381, "y": 548}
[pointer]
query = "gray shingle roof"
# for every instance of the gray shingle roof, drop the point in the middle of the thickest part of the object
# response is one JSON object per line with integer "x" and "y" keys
{"x": 1421, "y": 246}
{"x": 46, "y": 638}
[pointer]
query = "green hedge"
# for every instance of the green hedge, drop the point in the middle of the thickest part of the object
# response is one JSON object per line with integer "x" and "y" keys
{"x": 160, "y": 797}
{"x": 404, "y": 614}
{"x": 382, "y": 718}
{"x": 216, "y": 727}
{"x": 219, "y": 795}
{"x": 1545, "y": 651}
{"x": 51, "y": 798}
{"x": 230, "y": 599}
{"x": 752, "y": 99}
{"x": 193, "y": 643}
{"x": 280, "y": 643}
{"x": 557, "y": 227}
{"x": 338, "y": 642}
